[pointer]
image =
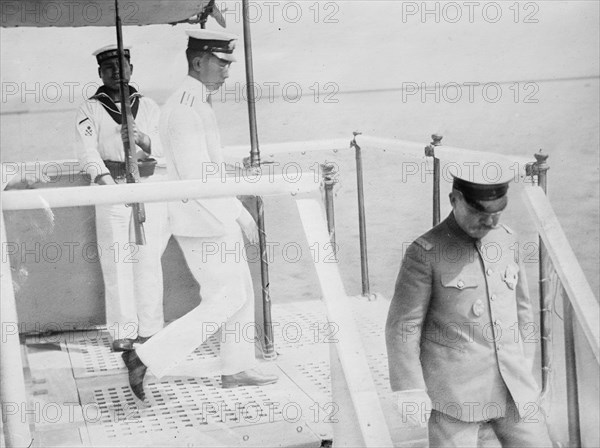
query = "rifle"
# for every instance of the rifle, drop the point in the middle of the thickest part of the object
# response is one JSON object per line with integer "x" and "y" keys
{"x": 131, "y": 167}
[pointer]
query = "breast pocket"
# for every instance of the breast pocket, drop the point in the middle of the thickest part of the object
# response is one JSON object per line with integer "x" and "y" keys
{"x": 459, "y": 281}
{"x": 458, "y": 294}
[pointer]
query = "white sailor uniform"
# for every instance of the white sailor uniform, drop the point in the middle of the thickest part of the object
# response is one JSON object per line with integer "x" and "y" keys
{"x": 132, "y": 273}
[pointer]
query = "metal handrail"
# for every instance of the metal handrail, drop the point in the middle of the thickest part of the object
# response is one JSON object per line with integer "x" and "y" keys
{"x": 581, "y": 302}
{"x": 579, "y": 292}
{"x": 153, "y": 192}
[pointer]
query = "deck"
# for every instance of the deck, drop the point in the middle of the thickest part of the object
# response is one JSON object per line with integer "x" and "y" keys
{"x": 79, "y": 393}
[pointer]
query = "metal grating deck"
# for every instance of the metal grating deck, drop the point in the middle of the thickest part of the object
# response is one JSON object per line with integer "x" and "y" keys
{"x": 92, "y": 355}
{"x": 189, "y": 410}
{"x": 192, "y": 405}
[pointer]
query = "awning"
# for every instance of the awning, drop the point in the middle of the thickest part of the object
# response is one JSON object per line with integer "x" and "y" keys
{"x": 79, "y": 13}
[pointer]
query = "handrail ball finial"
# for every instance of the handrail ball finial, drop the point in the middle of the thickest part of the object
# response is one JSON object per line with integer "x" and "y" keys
{"x": 436, "y": 141}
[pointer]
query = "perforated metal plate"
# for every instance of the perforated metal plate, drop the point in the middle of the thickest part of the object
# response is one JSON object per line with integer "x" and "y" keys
{"x": 93, "y": 356}
{"x": 193, "y": 405}
{"x": 298, "y": 326}
{"x": 196, "y": 411}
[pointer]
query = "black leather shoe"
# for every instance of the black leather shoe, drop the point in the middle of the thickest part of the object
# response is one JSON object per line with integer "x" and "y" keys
{"x": 122, "y": 345}
{"x": 137, "y": 371}
{"x": 247, "y": 378}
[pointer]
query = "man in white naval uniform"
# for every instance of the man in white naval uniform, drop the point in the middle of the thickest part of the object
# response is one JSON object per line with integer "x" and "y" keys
{"x": 192, "y": 144}
{"x": 132, "y": 273}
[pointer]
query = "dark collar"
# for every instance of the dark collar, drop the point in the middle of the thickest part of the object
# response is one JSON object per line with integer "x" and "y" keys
{"x": 456, "y": 230}
{"x": 111, "y": 108}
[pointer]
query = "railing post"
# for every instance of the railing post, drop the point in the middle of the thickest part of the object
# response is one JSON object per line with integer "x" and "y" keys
{"x": 571, "y": 374}
{"x": 362, "y": 228}
{"x": 540, "y": 169}
{"x": 269, "y": 340}
{"x": 329, "y": 173}
{"x": 12, "y": 383}
{"x": 430, "y": 152}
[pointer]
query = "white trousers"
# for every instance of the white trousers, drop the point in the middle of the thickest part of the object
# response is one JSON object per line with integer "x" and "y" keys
{"x": 220, "y": 268}
{"x": 133, "y": 279}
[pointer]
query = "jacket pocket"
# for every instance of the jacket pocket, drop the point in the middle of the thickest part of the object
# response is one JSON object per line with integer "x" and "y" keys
{"x": 459, "y": 281}
{"x": 446, "y": 344}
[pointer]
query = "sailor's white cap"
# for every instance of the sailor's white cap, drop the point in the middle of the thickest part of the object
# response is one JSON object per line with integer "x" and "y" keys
{"x": 110, "y": 51}
{"x": 217, "y": 42}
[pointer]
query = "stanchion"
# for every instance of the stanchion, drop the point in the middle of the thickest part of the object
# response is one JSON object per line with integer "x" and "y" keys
{"x": 362, "y": 227}
{"x": 430, "y": 152}
{"x": 540, "y": 169}
{"x": 329, "y": 181}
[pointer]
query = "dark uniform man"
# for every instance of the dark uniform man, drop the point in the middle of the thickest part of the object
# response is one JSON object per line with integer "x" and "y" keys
{"x": 457, "y": 325}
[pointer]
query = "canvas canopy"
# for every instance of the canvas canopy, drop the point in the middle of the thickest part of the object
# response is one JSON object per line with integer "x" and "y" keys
{"x": 80, "y": 13}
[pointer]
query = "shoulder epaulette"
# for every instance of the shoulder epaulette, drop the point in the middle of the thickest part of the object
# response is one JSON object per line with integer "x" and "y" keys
{"x": 187, "y": 99}
{"x": 424, "y": 243}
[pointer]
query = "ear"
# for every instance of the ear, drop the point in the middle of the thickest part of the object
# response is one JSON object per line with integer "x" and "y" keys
{"x": 99, "y": 73}
{"x": 453, "y": 198}
{"x": 197, "y": 62}
{"x": 131, "y": 69}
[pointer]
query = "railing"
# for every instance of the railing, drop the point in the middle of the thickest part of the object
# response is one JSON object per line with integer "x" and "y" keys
{"x": 580, "y": 303}
{"x": 581, "y": 300}
{"x": 364, "y": 409}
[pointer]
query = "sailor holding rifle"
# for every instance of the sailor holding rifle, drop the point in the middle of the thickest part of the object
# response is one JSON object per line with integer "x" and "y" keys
{"x": 132, "y": 273}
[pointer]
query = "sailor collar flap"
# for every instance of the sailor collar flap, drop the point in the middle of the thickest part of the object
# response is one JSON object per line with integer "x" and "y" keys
{"x": 111, "y": 108}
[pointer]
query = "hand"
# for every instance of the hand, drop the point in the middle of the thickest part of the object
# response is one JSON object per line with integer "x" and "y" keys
{"x": 106, "y": 180}
{"x": 140, "y": 139}
{"x": 248, "y": 226}
{"x": 141, "y": 155}
{"x": 414, "y": 407}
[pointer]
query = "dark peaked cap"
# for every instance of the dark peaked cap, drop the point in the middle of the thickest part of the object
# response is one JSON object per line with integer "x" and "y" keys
{"x": 484, "y": 181}
{"x": 216, "y": 42}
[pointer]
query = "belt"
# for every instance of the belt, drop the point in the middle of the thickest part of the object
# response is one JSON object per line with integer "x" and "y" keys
{"x": 118, "y": 170}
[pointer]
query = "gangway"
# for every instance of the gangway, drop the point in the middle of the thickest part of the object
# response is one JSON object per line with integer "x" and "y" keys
{"x": 315, "y": 384}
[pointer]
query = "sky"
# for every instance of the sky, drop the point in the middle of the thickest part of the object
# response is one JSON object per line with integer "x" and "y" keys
{"x": 358, "y": 45}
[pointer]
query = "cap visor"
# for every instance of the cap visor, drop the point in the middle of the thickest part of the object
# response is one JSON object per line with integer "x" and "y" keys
{"x": 226, "y": 56}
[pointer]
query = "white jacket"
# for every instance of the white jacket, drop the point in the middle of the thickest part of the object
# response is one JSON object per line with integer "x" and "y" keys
{"x": 191, "y": 142}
